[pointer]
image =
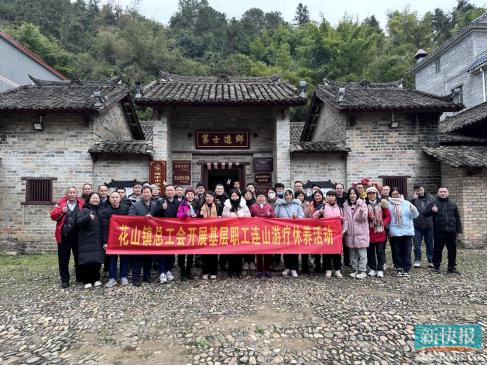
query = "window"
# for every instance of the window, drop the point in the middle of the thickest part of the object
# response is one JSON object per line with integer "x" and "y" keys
{"x": 437, "y": 65}
{"x": 458, "y": 94}
{"x": 400, "y": 182}
{"x": 38, "y": 191}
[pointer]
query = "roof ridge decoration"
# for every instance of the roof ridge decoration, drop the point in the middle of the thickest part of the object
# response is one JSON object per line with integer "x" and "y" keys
{"x": 167, "y": 77}
{"x": 364, "y": 84}
{"x": 117, "y": 80}
{"x": 479, "y": 21}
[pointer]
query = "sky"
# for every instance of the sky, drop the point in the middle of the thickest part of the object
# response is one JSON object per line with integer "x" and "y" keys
{"x": 333, "y": 11}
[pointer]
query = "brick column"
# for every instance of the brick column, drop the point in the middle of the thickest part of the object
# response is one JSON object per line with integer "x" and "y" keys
{"x": 160, "y": 139}
{"x": 281, "y": 154}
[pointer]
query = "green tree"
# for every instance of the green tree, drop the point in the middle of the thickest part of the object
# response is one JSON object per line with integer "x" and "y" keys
{"x": 302, "y": 15}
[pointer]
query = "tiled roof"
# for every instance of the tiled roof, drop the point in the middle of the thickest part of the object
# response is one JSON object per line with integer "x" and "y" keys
{"x": 469, "y": 117}
{"x": 319, "y": 146}
{"x": 455, "y": 139}
{"x": 480, "y": 22}
{"x": 47, "y": 96}
{"x": 296, "y": 130}
{"x": 479, "y": 61}
{"x": 366, "y": 96}
{"x": 62, "y": 96}
{"x": 148, "y": 128}
{"x": 460, "y": 156}
{"x": 122, "y": 147}
{"x": 223, "y": 89}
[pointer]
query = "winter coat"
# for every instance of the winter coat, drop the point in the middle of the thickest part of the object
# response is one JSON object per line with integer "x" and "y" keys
{"x": 422, "y": 203}
{"x": 447, "y": 219}
{"x": 243, "y": 210}
{"x": 170, "y": 211}
{"x": 59, "y": 216}
{"x": 184, "y": 208}
{"x": 380, "y": 237}
{"x": 341, "y": 200}
{"x": 407, "y": 227}
{"x": 356, "y": 225}
{"x": 210, "y": 212}
{"x": 139, "y": 208}
{"x": 90, "y": 246}
{"x": 328, "y": 212}
{"x": 286, "y": 209}
{"x": 266, "y": 211}
{"x": 107, "y": 214}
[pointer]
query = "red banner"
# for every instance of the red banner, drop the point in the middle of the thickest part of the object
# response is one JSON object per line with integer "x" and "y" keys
{"x": 149, "y": 235}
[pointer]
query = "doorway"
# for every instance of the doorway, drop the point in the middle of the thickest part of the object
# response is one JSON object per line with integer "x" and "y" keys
{"x": 212, "y": 177}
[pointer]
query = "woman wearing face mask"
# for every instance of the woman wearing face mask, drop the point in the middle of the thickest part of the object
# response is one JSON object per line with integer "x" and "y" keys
{"x": 235, "y": 206}
{"x": 188, "y": 209}
{"x": 289, "y": 208}
{"x": 90, "y": 241}
{"x": 330, "y": 209}
{"x": 356, "y": 232}
{"x": 262, "y": 209}
{"x": 401, "y": 231}
{"x": 210, "y": 210}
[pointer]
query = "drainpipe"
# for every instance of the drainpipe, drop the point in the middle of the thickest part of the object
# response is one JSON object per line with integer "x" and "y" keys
{"x": 483, "y": 81}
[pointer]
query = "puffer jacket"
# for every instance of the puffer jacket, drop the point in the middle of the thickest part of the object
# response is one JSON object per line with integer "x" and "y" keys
{"x": 356, "y": 225}
{"x": 90, "y": 235}
{"x": 422, "y": 203}
{"x": 408, "y": 214}
{"x": 447, "y": 219}
{"x": 286, "y": 209}
{"x": 243, "y": 210}
{"x": 328, "y": 211}
{"x": 266, "y": 211}
{"x": 107, "y": 214}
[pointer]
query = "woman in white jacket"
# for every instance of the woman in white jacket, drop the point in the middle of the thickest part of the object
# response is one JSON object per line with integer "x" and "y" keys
{"x": 235, "y": 206}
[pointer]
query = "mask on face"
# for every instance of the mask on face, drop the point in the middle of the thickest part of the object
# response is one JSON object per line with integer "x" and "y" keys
{"x": 280, "y": 194}
{"x": 271, "y": 196}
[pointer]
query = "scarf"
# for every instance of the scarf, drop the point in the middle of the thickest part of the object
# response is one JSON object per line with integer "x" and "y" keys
{"x": 375, "y": 212}
{"x": 207, "y": 212}
{"x": 397, "y": 209}
{"x": 235, "y": 205}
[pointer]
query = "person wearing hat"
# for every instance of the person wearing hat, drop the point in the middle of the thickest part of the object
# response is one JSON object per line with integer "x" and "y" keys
{"x": 188, "y": 209}
{"x": 379, "y": 218}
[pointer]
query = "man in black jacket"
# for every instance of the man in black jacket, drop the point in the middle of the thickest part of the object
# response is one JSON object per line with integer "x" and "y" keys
{"x": 142, "y": 207}
{"x": 423, "y": 225}
{"x": 114, "y": 208}
{"x": 446, "y": 226}
{"x": 166, "y": 207}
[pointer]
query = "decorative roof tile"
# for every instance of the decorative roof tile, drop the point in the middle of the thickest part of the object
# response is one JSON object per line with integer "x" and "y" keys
{"x": 122, "y": 147}
{"x": 296, "y": 130}
{"x": 455, "y": 139}
{"x": 319, "y": 146}
{"x": 473, "y": 116}
{"x": 460, "y": 156}
{"x": 367, "y": 96}
{"x": 223, "y": 89}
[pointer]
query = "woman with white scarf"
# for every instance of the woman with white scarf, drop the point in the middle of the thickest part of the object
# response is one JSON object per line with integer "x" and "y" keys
{"x": 401, "y": 231}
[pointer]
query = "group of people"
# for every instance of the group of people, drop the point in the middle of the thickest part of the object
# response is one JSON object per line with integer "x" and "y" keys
{"x": 371, "y": 215}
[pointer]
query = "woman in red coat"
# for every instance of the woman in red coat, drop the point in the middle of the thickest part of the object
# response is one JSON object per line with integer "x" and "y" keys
{"x": 64, "y": 213}
{"x": 263, "y": 209}
{"x": 379, "y": 218}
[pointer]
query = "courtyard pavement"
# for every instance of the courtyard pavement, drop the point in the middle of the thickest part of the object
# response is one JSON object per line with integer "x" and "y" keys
{"x": 308, "y": 320}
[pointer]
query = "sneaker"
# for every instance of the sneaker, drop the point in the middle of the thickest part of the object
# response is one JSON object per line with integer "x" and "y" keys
{"x": 125, "y": 281}
{"x": 169, "y": 276}
{"x": 399, "y": 272}
{"x": 97, "y": 284}
{"x": 136, "y": 283}
{"x": 212, "y": 277}
{"x": 294, "y": 273}
{"x": 385, "y": 266}
{"x": 380, "y": 274}
{"x": 268, "y": 274}
{"x": 253, "y": 267}
{"x": 65, "y": 285}
{"x": 285, "y": 272}
{"x": 163, "y": 278}
{"x": 246, "y": 266}
{"x": 111, "y": 282}
{"x": 417, "y": 264}
{"x": 437, "y": 270}
{"x": 453, "y": 270}
{"x": 88, "y": 285}
{"x": 259, "y": 274}
{"x": 361, "y": 275}
{"x": 405, "y": 274}
{"x": 431, "y": 265}
{"x": 353, "y": 274}
{"x": 338, "y": 274}
{"x": 204, "y": 277}
{"x": 328, "y": 274}
{"x": 372, "y": 273}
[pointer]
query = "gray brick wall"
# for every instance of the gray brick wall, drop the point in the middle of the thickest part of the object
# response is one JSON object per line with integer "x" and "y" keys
{"x": 318, "y": 167}
{"x": 120, "y": 167}
{"x": 331, "y": 125}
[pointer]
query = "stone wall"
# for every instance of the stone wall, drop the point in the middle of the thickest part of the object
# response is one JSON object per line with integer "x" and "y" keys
{"x": 120, "y": 167}
{"x": 379, "y": 150}
{"x": 318, "y": 167}
{"x": 331, "y": 126}
{"x": 467, "y": 188}
{"x": 112, "y": 125}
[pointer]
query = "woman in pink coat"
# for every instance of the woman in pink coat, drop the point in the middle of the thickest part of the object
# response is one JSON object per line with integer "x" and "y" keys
{"x": 356, "y": 232}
